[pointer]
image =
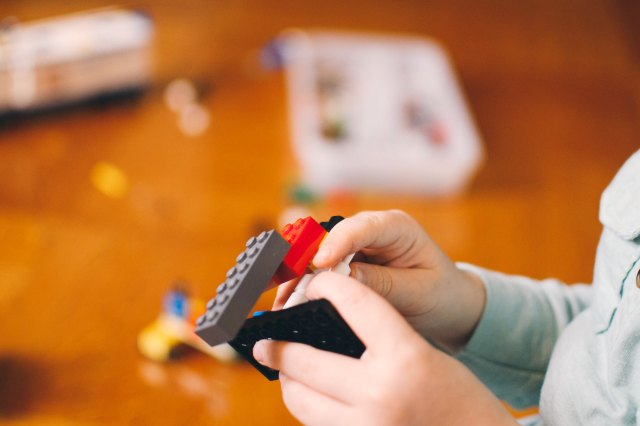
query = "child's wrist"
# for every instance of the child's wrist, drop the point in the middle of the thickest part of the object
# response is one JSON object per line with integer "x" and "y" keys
{"x": 465, "y": 298}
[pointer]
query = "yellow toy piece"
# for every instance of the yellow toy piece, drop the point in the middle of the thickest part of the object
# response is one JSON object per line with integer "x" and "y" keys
{"x": 162, "y": 339}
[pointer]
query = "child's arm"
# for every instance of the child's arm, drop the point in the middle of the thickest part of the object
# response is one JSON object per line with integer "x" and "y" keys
{"x": 400, "y": 378}
{"x": 514, "y": 321}
{"x": 512, "y": 344}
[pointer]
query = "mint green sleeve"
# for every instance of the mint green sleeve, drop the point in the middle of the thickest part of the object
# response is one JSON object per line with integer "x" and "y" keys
{"x": 511, "y": 346}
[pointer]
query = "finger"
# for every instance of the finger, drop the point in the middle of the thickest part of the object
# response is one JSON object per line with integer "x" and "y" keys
{"x": 380, "y": 327}
{"x": 283, "y": 293}
{"x": 405, "y": 288}
{"x": 322, "y": 371}
{"x": 311, "y": 407}
{"x": 384, "y": 237}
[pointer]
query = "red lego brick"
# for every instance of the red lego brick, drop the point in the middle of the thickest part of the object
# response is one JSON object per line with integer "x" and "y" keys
{"x": 305, "y": 236}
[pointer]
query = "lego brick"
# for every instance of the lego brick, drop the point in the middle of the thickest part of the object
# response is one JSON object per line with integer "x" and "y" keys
{"x": 245, "y": 282}
{"x": 333, "y": 221}
{"x": 305, "y": 236}
{"x": 315, "y": 323}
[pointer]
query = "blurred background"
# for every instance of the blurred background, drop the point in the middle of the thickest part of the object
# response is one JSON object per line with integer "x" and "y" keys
{"x": 149, "y": 156}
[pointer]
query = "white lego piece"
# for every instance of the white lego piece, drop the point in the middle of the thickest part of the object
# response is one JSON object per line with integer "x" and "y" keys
{"x": 342, "y": 267}
{"x": 298, "y": 296}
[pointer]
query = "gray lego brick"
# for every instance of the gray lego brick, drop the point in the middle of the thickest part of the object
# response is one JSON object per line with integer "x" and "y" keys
{"x": 245, "y": 283}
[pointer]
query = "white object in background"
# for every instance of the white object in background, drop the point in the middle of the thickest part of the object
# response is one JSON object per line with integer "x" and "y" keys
{"x": 70, "y": 58}
{"x": 375, "y": 112}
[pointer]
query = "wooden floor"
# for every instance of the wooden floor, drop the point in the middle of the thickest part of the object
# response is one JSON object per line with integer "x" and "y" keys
{"x": 554, "y": 88}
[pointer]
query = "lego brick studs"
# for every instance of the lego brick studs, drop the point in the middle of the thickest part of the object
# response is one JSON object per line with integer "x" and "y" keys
{"x": 245, "y": 282}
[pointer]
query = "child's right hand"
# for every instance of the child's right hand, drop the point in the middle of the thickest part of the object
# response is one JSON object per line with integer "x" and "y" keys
{"x": 401, "y": 262}
{"x": 400, "y": 379}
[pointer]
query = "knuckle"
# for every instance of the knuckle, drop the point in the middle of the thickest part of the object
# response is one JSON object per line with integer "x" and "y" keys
{"x": 292, "y": 400}
{"x": 273, "y": 354}
{"x": 383, "y": 281}
{"x": 379, "y": 395}
{"x": 292, "y": 360}
{"x": 354, "y": 295}
{"x": 382, "y": 396}
{"x": 276, "y": 354}
{"x": 372, "y": 219}
{"x": 399, "y": 214}
{"x": 402, "y": 217}
{"x": 409, "y": 360}
{"x": 384, "y": 217}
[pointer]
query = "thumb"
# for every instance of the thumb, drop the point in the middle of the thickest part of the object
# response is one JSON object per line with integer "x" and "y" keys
{"x": 405, "y": 288}
{"x": 380, "y": 327}
{"x": 379, "y": 278}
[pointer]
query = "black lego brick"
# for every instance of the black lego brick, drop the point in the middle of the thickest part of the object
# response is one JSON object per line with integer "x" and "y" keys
{"x": 315, "y": 323}
{"x": 245, "y": 283}
{"x": 333, "y": 221}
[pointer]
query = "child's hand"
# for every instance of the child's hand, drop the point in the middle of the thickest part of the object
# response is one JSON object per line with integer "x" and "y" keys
{"x": 400, "y": 379}
{"x": 406, "y": 267}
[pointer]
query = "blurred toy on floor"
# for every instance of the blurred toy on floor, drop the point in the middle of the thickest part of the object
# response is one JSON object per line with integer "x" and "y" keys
{"x": 73, "y": 59}
{"x": 375, "y": 113}
{"x": 174, "y": 328}
{"x": 181, "y": 97}
{"x": 109, "y": 179}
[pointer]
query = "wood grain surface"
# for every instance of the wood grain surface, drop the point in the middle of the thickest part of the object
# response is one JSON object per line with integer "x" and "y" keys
{"x": 554, "y": 89}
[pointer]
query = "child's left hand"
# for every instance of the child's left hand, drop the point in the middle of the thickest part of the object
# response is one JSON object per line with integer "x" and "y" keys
{"x": 400, "y": 379}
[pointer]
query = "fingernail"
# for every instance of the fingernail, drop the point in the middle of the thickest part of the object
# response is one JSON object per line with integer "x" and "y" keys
{"x": 321, "y": 256}
{"x": 356, "y": 273}
{"x": 258, "y": 351}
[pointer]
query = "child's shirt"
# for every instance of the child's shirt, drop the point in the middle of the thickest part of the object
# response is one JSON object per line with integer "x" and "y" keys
{"x": 574, "y": 350}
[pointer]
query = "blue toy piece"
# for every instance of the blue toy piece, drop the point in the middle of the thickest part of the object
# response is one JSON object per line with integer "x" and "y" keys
{"x": 176, "y": 302}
